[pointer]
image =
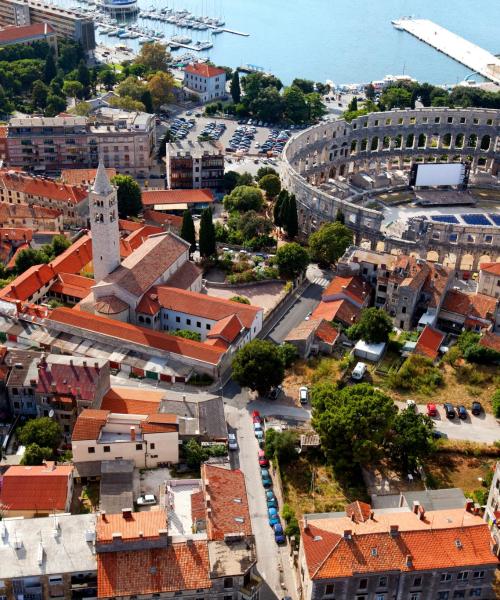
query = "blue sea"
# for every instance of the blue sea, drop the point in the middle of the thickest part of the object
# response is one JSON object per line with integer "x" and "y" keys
{"x": 343, "y": 41}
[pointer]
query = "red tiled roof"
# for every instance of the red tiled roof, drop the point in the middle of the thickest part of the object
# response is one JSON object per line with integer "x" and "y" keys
{"x": 12, "y": 262}
{"x": 352, "y": 287}
{"x": 338, "y": 310}
{"x": 126, "y": 225}
{"x": 16, "y": 234}
{"x": 136, "y": 401}
{"x": 429, "y": 342}
{"x": 41, "y": 488}
{"x": 74, "y": 258}
{"x": 29, "y": 282}
{"x": 135, "y": 334}
{"x": 89, "y": 424}
{"x": 153, "y": 197}
{"x": 70, "y": 284}
{"x": 160, "y": 423}
{"x": 3, "y": 131}
{"x": 228, "y": 502}
{"x": 493, "y": 268}
{"x": 203, "y": 70}
{"x": 42, "y": 187}
{"x": 326, "y": 332}
{"x": 69, "y": 380}
{"x": 470, "y": 305}
{"x": 159, "y": 218}
{"x": 490, "y": 340}
{"x": 16, "y": 212}
{"x": 83, "y": 177}
{"x": 180, "y": 566}
{"x": 149, "y": 523}
{"x": 193, "y": 303}
{"x": 13, "y": 33}
{"x": 184, "y": 277}
{"x": 110, "y": 305}
{"x": 228, "y": 328}
{"x": 358, "y": 511}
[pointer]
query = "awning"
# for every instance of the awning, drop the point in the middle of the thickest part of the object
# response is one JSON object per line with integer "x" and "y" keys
{"x": 161, "y": 207}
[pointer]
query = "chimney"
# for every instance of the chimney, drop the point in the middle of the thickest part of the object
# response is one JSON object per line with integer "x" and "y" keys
{"x": 409, "y": 560}
{"x": 71, "y": 362}
{"x": 421, "y": 513}
{"x": 347, "y": 534}
{"x": 394, "y": 530}
{"x": 416, "y": 506}
{"x": 163, "y": 532}
{"x": 96, "y": 366}
{"x": 32, "y": 382}
{"x": 126, "y": 513}
{"x": 469, "y": 505}
{"x": 116, "y": 535}
{"x": 103, "y": 515}
{"x": 132, "y": 433}
{"x": 353, "y": 517}
{"x": 372, "y": 514}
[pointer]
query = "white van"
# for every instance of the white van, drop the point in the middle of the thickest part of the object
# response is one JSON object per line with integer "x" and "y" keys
{"x": 359, "y": 371}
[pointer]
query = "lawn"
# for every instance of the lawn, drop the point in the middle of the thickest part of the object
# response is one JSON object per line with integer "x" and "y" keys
{"x": 308, "y": 372}
{"x": 310, "y": 486}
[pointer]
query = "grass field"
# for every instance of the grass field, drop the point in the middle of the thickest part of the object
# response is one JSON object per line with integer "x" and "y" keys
{"x": 450, "y": 469}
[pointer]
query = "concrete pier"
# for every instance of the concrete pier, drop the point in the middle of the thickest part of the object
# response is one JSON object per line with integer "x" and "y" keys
{"x": 466, "y": 53}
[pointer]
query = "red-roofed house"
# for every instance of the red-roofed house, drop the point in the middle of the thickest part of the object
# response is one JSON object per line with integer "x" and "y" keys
{"x": 28, "y": 34}
{"x": 82, "y": 177}
{"x": 36, "y": 491}
{"x": 177, "y": 201}
{"x": 168, "y": 222}
{"x": 491, "y": 341}
{"x": 489, "y": 279}
{"x": 313, "y": 335}
{"x": 469, "y": 311}
{"x": 343, "y": 300}
{"x": 205, "y": 81}
{"x": 429, "y": 342}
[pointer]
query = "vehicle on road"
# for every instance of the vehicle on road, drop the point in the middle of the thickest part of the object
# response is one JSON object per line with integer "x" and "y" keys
{"x": 257, "y": 425}
{"x": 273, "y": 517}
{"x": 279, "y": 535}
{"x": 275, "y": 393}
{"x": 449, "y": 410}
{"x": 259, "y": 434}
{"x": 359, "y": 371}
{"x": 232, "y": 444}
{"x": 462, "y": 412}
{"x": 431, "y": 410}
{"x": 146, "y": 500}
{"x": 303, "y": 394}
{"x": 266, "y": 478}
{"x": 263, "y": 462}
{"x": 272, "y": 503}
{"x": 411, "y": 404}
{"x": 269, "y": 494}
{"x": 256, "y": 420}
{"x": 308, "y": 316}
{"x": 476, "y": 409}
{"x": 255, "y": 413}
{"x": 438, "y": 435}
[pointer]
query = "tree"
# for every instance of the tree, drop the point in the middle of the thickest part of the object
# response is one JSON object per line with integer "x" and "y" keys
{"x": 127, "y": 103}
{"x": 59, "y": 244}
{"x": 188, "y": 232}
{"x": 281, "y": 445}
{"x": 235, "y": 87}
{"x": 395, "y": 97}
{"x": 82, "y": 109}
{"x": 147, "y": 101}
{"x": 187, "y": 335}
{"x": 353, "y": 105}
{"x": 50, "y": 69}
{"x": 161, "y": 86}
{"x": 231, "y": 179}
{"x": 296, "y": 109}
{"x": 107, "y": 77}
{"x": 131, "y": 87}
{"x": 43, "y": 431}
{"x": 207, "y": 240}
{"x": 154, "y": 57}
{"x": 330, "y": 242}
{"x": 39, "y": 94}
{"x": 374, "y": 326}
{"x": 289, "y": 217}
{"x": 411, "y": 440}
{"x": 352, "y": 422}
{"x": 495, "y": 401}
{"x": 129, "y": 196}
{"x": 291, "y": 260}
{"x": 240, "y": 299}
{"x": 263, "y": 171}
{"x": 306, "y": 85}
{"x": 370, "y": 91}
{"x": 271, "y": 184}
{"x": 195, "y": 453}
{"x": 244, "y": 198}
{"x": 246, "y": 178}
{"x": 84, "y": 77}
{"x": 36, "y": 455}
{"x": 73, "y": 89}
{"x": 26, "y": 258}
{"x": 288, "y": 354}
{"x": 281, "y": 200}
{"x": 315, "y": 107}
{"x": 55, "y": 105}
{"x": 258, "y": 366}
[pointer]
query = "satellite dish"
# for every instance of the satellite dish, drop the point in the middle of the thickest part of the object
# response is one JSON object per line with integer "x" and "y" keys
{"x": 51, "y": 413}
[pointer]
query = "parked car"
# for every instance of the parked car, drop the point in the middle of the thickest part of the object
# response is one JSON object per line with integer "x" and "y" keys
{"x": 255, "y": 413}
{"x": 256, "y": 420}
{"x": 476, "y": 409}
{"x": 462, "y": 412}
{"x": 263, "y": 462}
{"x": 146, "y": 500}
{"x": 269, "y": 494}
{"x": 276, "y": 392}
{"x": 267, "y": 482}
{"x": 449, "y": 410}
{"x": 257, "y": 425}
{"x": 273, "y": 517}
{"x": 279, "y": 535}
{"x": 259, "y": 434}
{"x": 411, "y": 405}
{"x": 438, "y": 435}
{"x": 273, "y": 503}
{"x": 359, "y": 371}
{"x": 303, "y": 394}
{"x": 431, "y": 410}
{"x": 232, "y": 444}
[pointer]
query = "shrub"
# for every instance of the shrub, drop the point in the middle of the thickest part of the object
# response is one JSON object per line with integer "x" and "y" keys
{"x": 187, "y": 335}
{"x": 496, "y": 403}
{"x": 417, "y": 374}
{"x": 240, "y": 299}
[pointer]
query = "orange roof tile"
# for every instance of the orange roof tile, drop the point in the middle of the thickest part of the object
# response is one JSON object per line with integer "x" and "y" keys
{"x": 29, "y": 282}
{"x": 74, "y": 258}
{"x": 42, "y": 488}
{"x": 126, "y": 225}
{"x": 490, "y": 340}
{"x": 352, "y": 287}
{"x": 135, "y": 334}
{"x": 180, "y": 566}
{"x": 70, "y": 284}
{"x": 16, "y": 234}
{"x": 159, "y": 218}
{"x": 83, "y": 177}
{"x": 130, "y": 526}
{"x": 166, "y": 197}
{"x": 429, "y": 342}
{"x": 203, "y": 70}
{"x": 132, "y": 401}
{"x": 228, "y": 502}
{"x": 326, "y": 332}
{"x": 358, "y": 511}
{"x": 42, "y": 187}
{"x": 228, "y": 328}
{"x": 89, "y": 424}
{"x": 470, "y": 305}
{"x": 13, "y": 33}
{"x": 338, "y": 310}
{"x": 184, "y": 277}
{"x": 493, "y": 268}
{"x": 160, "y": 423}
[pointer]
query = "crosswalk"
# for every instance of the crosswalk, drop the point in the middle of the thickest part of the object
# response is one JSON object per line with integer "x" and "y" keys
{"x": 321, "y": 281}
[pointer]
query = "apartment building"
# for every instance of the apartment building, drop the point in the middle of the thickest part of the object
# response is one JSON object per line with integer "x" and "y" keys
{"x": 29, "y": 34}
{"x": 489, "y": 279}
{"x": 146, "y": 440}
{"x": 405, "y": 552}
{"x": 206, "y": 82}
{"x": 66, "y": 23}
{"x": 195, "y": 165}
{"x": 343, "y": 300}
{"x": 477, "y": 312}
{"x": 492, "y": 511}
{"x": 34, "y": 217}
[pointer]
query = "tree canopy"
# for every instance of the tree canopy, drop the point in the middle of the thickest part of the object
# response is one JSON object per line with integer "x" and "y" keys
{"x": 154, "y": 57}
{"x": 188, "y": 232}
{"x": 129, "y": 196}
{"x": 291, "y": 260}
{"x": 281, "y": 445}
{"x": 374, "y": 326}
{"x": 36, "y": 455}
{"x": 43, "y": 431}
{"x": 235, "y": 87}
{"x": 271, "y": 184}
{"x": 258, "y": 366}
{"x": 244, "y": 198}
{"x": 208, "y": 246}
{"x": 411, "y": 439}
{"x": 187, "y": 334}
{"x": 330, "y": 242}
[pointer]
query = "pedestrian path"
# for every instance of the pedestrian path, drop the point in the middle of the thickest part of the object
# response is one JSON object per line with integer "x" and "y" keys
{"x": 321, "y": 281}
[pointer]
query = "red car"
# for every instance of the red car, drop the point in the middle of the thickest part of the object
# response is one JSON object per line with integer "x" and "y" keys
{"x": 256, "y": 419}
{"x": 432, "y": 410}
{"x": 256, "y": 413}
{"x": 263, "y": 462}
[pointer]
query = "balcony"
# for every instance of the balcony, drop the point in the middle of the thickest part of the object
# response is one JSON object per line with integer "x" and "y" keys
{"x": 251, "y": 589}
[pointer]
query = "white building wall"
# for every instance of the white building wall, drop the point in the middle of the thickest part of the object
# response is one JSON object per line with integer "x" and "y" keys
{"x": 489, "y": 284}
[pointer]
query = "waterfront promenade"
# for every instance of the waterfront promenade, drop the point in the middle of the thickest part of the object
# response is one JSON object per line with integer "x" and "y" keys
{"x": 468, "y": 54}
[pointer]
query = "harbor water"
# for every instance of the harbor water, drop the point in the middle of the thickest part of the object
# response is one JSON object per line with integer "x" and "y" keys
{"x": 328, "y": 39}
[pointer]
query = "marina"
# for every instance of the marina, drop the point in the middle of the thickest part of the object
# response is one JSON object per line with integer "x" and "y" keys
{"x": 466, "y": 53}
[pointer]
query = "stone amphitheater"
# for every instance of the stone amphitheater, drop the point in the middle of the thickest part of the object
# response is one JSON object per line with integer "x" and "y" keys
{"x": 363, "y": 169}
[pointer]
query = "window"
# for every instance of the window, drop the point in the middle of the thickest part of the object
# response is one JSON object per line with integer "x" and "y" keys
{"x": 415, "y": 596}
{"x": 459, "y": 594}
{"x": 208, "y": 326}
{"x": 478, "y": 574}
{"x": 417, "y": 581}
{"x": 380, "y": 597}
{"x": 228, "y": 598}
{"x": 463, "y": 576}
{"x": 363, "y": 584}
{"x": 228, "y": 583}
{"x": 138, "y": 446}
{"x": 475, "y": 592}
{"x": 91, "y": 450}
{"x": 152, "y": 446}
{"x": 382, "y": 582}
{"x": 177, "y": 319}
{"x": 329, "y": 589}
{"x": 403, "y": 310}
{"x": 445, "y": 577}
{"x": 198, "y": 324}
{"x": 188, "y": 321}
{"x": 443, "y": 595}
{"x": 107, "y": 448}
